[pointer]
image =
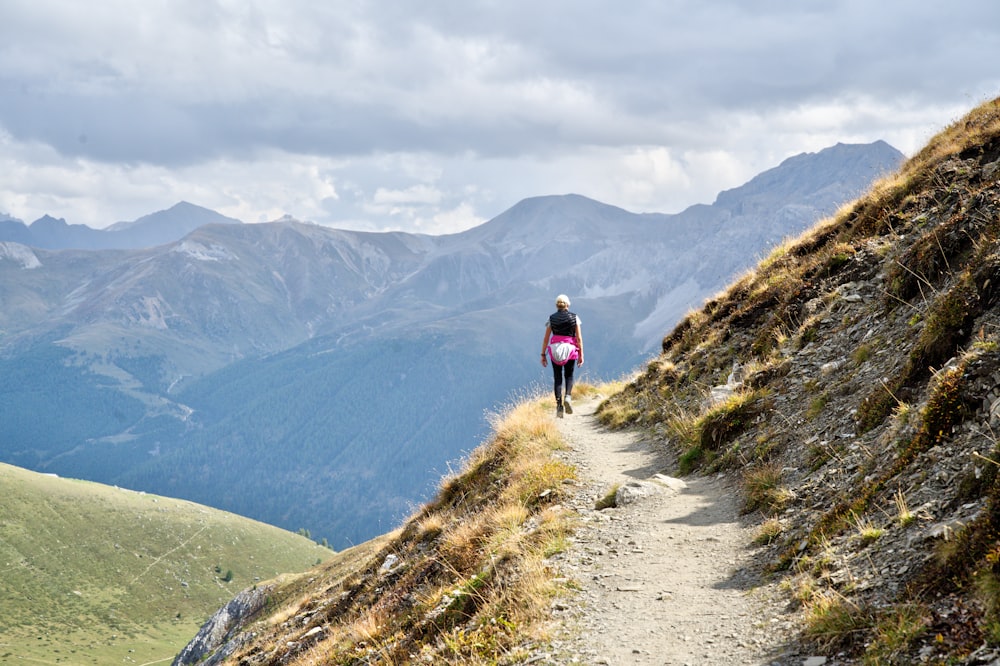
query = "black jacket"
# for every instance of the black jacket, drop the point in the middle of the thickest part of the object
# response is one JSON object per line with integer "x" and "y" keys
{"x": 563, "y": 322}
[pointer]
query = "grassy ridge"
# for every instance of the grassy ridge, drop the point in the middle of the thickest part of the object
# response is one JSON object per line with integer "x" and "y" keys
{"x": 869, "y": 355}
{"x": 464, "y": 581}
{"x": 96, "y": 574}
{"x": 896, "y": 295}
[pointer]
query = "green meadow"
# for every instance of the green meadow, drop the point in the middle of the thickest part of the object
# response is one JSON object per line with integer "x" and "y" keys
{"x": 93, "y": 574}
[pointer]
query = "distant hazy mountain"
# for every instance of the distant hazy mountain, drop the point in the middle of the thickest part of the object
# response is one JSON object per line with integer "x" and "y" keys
{"x": 163, "y": 227}
{"x": 318, "y": 378}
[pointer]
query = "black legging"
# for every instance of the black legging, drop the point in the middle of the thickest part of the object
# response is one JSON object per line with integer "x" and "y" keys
{"x": 558, "y": 371}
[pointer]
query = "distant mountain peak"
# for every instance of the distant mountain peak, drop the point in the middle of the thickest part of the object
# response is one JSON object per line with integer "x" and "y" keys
{"x": 562, "y": 200}
{"x": 550, "y": 216}
{"x": 165, "y": 226}
{"x": 802, "y": 173}
{"x": 49, "y": 221}
{"x": 183, "y": 214}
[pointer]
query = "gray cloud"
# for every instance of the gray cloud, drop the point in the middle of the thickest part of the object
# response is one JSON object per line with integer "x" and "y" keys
{"x": 319, "y": 109}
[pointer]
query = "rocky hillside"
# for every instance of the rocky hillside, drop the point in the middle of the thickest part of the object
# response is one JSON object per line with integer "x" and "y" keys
{"x": 278, "y": 370}
{"x": 849, "y": 382}
{"x": 464, "y": 581}
{"x": 852, "y": 382}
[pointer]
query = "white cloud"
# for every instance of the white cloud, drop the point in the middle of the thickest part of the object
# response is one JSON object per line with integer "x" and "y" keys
{"x": 418, "y": 194}
{"x": 413, "y": 116}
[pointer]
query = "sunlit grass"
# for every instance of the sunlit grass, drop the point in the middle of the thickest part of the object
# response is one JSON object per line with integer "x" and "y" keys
{"x": 161, "y": 563}
{"x": 471, "y": 583}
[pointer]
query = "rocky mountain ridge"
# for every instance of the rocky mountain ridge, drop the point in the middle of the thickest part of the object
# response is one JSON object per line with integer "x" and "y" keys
{"x": 856, "y": 377}
{"x": 157, "y": 228}
{"x": 228, "y": 365}
{"x": 849, "y": 384}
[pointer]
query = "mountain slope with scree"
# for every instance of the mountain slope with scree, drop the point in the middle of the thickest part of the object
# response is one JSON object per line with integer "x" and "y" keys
{"x": 849, "y": 384}
{"x": 852, "y": 383}
{"x": 278, "y": 369}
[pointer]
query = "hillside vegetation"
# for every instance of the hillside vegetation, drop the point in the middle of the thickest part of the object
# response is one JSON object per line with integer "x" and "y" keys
{"x": 94, "y": 574}
{"x": 250, "y": 367}
{"x": 464, "y": 581}
{"x": 850, "y": 382}
{"x": 856, "y": 376}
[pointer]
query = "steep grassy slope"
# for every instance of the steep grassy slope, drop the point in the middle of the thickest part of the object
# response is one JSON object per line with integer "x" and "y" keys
{"x": 464, "y": 581}
{"x": 858, "y": 375}
{"x": 97, "y": 574}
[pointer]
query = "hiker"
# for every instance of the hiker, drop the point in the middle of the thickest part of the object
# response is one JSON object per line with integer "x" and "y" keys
{"x": 564, "y": 344}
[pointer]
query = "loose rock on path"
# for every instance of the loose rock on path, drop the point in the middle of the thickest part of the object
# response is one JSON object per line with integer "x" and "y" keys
{"x": 667, "y": 577}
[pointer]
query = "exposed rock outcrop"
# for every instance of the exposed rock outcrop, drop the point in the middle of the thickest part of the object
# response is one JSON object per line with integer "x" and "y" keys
{"x": 214, "y": 640}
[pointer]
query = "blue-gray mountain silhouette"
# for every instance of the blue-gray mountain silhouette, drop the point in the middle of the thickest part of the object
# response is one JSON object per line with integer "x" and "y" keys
{"x": 320, "y": 378}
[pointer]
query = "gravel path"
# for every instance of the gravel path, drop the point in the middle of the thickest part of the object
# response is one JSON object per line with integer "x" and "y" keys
{"x": 665, "y": 578}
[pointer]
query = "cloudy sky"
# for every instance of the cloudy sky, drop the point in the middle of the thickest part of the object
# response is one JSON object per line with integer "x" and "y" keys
{"x": 436, "y": 116}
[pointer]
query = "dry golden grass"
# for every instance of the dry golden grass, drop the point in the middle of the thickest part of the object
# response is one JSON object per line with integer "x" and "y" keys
{"x": 903, "y": 513}
{"x": 763, "y": 489}
{"x": 978, "y": 127}
{"x": 618, "y": 414}
{"x": 473, "y": 585}
{"x": 867, "y": 530}
{"x": 832, "y": 620}
{"x": 767, "y": 532}
{"x": 470, "y": 583}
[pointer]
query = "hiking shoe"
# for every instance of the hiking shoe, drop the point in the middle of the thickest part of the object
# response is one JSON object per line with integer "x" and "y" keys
{"x": 559, "y": 411}
{"x": 567, "y": 405}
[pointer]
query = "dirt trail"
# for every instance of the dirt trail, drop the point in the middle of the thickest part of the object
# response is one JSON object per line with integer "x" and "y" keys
{"x": 665, "y": 578}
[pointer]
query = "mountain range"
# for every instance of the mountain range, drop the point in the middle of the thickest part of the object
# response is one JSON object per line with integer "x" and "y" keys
{"x": 844, "y": 392}
{"x": 156, "y": 229}
{"x": 324, "y": 379}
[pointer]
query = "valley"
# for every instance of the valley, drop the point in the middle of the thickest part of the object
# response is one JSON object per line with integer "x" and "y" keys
{"x": 322, "y": 379}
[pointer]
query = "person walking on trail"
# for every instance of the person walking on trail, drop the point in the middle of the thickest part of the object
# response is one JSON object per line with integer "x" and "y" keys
{"x": 563, "y": 344}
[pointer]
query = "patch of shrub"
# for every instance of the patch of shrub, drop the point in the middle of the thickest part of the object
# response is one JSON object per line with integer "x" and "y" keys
{"x": 763, "y": 489}
{"x": 876, "y": 406}
{"x": 947, "y": 406}
{"x": 833, "y": 622}
{"x": 839, "y": 256}
{"x": 897, "y": 629}
{"x": 816, "y": 406}
{"x": 978, "y": 482}
{"x": 861, "y": 353}
{"x": 618, "y": 412}
{"x": 922, "y": 265}
{"x": 768, "y": 532}
{"x": 721, "y": 423}
{"x": 690, "y": 459}
{"x": 807, "y": 333}
{"x": 876, "y": 214}
{"x": 948, "y": 323}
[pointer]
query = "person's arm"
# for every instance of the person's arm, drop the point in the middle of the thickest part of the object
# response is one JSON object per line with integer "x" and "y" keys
{"x": 579, "y": 342}
{"x": 545, "y": 344}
